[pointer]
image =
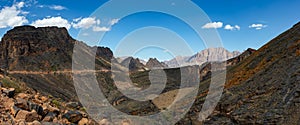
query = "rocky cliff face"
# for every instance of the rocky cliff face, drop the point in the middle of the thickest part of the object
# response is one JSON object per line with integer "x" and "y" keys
{"x": 30, "y": 48}
{"x": 105, "y": 53}
{"x": 207, "y": 55}
{"x": 42, "y": 58}
{"x": 36, "y": 49}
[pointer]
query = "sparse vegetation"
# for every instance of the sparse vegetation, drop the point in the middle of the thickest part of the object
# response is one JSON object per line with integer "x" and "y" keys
{"x": 56, "y": 103}
{"x": 8, "y": 83}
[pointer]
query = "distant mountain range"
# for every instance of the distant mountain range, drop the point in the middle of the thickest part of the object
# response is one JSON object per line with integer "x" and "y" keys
{"x": 207, "y": 55}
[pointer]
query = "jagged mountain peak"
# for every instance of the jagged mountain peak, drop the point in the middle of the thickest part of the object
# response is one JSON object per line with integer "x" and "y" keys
{"x": 154, "y": 63}
{"x": 207, "y": 55}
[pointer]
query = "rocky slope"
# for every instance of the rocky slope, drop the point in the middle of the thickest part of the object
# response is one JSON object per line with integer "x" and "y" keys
{"x": 261, "y": 89}
{"x": 29, "y": 107}
{"x": 207, "y": 55}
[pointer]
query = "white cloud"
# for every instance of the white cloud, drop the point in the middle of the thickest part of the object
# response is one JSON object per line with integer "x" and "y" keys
{"x": 100, "y": 29}
{"x": 85, "y": 23}
{"x": 114, "y": 21}
{"x": 98, "y": 22}
{"x": 57, "y": 7}
{"x": 52, "y": 21}
{"x": 258, "y": 26}
{"x": 213, "y": 25}
{"x": 229, "y": 27}
{"x": 237, "y": 27}
{"x": 20, "y": 5}
{"x": 12, "y": 16}
{"x": 94, "y": 23}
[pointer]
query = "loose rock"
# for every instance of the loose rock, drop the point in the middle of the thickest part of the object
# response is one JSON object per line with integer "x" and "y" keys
{"x": 9, "y": 92}
{"x": 27, "y": 116}
{"x": 73, "y": 116}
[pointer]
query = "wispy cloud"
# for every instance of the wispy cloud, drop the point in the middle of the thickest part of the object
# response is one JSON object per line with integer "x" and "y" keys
{"x": 258, "y": 26}
{"x": 213, "y": 25}
{"x": 13, "y": 16}
{"x": 100, "y": 29}
{"x": 53, "y": 7}
{"x": 57, "y": 7}
{"x": 114, "y": 21}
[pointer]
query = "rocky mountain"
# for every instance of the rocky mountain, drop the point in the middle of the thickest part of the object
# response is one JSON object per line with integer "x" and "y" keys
{"x": 153, "y": 63}
{"x": 47, "y": 49}
{"x": 136, "y": 64}
{"x": 263, "y": 88}
{"x": 42, "y": 58}
{"x": 205, "y": 69}
{"x": 207, "y": 55}
{"x": 133, "y": 64}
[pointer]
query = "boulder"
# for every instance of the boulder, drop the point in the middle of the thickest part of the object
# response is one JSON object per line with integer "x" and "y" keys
{"x": 14, "y": 110}
{"x": 21, "y": 103}
{"x": 23, "y": 96}
{"x": 8, "y": 102}
{"x": 9, "y": 92}
{"x": 73, "y": 116}
{"x": 36, "y": 107}
{"x": 34, "y": 123}
{"x": 44, "y": 99}
{"x": 21, "y": 123}
{"x": 49, "y": 117}
{"x": 27, "y": 116}
{"x": 83, "y": 121}
{"x": 49, "y": 108}
{"x": 104, "y": 122}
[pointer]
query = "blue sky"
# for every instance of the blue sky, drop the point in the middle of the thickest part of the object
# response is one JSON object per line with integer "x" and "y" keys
{"x": 241, "y": 24}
